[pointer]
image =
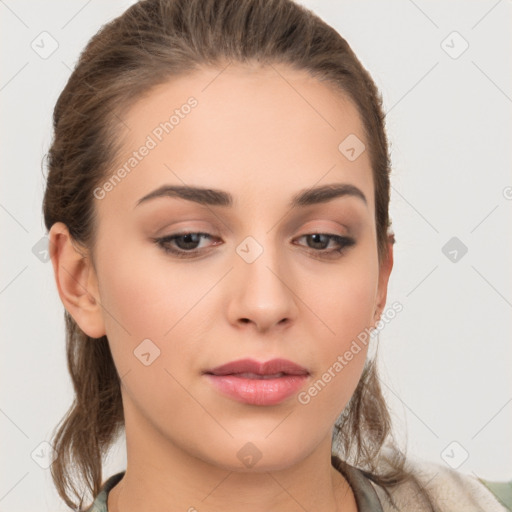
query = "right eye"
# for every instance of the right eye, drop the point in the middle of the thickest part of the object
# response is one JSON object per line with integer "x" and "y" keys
{"x": 186, "y": 243}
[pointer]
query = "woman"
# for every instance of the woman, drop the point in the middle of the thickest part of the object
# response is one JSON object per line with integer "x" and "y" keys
{"x": 217, "y": 206}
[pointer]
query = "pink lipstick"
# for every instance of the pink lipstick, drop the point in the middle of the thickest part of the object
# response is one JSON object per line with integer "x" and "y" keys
{"x": 255, "y": 383}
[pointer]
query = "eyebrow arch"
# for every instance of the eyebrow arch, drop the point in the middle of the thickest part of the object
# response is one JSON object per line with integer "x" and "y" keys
{"x": 214, "y": 197}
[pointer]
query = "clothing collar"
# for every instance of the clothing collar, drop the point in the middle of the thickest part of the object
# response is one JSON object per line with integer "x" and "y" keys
{"x": 364, "y": 493}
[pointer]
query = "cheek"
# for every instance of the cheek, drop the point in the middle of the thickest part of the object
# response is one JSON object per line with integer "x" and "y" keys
{"x": 344, "y": 298}
{"x": 154, "y": 316}
{"x": 142, "y": 294}
{"x": 344, "y": 302}
{"x": 131, "y": 297}
{"x": 145, "y": 312}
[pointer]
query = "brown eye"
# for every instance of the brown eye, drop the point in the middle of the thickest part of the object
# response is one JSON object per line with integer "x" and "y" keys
{"x": 185, "y": 244}
{"x": 320, "y": 241}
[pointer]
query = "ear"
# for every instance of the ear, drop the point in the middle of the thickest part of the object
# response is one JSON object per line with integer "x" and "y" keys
{"x": 76, "y": 281}
{"x": 384, "y": 272}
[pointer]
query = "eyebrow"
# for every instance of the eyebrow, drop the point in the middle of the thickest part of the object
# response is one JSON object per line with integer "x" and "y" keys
{"x": 214, "y": 197}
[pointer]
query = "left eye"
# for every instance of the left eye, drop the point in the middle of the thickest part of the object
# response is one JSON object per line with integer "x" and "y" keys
{"x": 187, "y": 243}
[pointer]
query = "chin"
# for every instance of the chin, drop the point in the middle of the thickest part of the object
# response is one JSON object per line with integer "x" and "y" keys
{"x": 258, "y": 455}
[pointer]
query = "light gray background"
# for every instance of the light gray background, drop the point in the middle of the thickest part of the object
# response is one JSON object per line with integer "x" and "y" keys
{"x": 445, "y": 359}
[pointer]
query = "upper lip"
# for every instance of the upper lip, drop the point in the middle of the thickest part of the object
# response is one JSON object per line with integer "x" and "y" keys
{"x": 271, "y": 367}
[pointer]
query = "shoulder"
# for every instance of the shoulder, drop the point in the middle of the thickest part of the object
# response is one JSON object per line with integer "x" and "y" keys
{"x": 450, "y": 490}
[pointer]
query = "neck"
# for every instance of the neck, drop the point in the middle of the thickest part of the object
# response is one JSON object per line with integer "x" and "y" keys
{"x": 162, "y": 476}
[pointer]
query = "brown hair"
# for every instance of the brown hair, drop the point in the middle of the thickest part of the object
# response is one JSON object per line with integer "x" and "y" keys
{"x": 151, "y": 42}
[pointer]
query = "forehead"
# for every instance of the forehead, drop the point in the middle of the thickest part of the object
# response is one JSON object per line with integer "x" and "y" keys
{"x": 261, "y": 131}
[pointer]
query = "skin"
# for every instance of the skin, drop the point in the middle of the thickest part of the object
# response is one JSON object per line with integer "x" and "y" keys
{"x": 256, "y": 137}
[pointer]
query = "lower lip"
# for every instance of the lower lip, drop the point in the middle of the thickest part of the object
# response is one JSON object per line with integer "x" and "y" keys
{"x": 258, "y": 391}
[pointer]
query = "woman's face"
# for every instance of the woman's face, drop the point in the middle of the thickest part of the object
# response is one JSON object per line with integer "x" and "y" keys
{"x": 256, "y": 283}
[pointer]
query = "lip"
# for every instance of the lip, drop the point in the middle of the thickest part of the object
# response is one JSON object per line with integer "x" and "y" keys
{"x": 258, "y": 383}
{"x": 270, "y": 367}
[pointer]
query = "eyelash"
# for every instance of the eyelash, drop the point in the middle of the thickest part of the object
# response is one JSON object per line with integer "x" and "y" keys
{"x": 343, "y": 242}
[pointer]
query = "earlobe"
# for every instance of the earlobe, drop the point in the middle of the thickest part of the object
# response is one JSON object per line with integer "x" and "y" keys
{"x": 76, "y": 281}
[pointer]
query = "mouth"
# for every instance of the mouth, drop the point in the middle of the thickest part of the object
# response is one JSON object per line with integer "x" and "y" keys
{"x": 251, "y": 382}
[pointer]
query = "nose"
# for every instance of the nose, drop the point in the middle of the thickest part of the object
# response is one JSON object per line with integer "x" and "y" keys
{"x": 261, "y": 292}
